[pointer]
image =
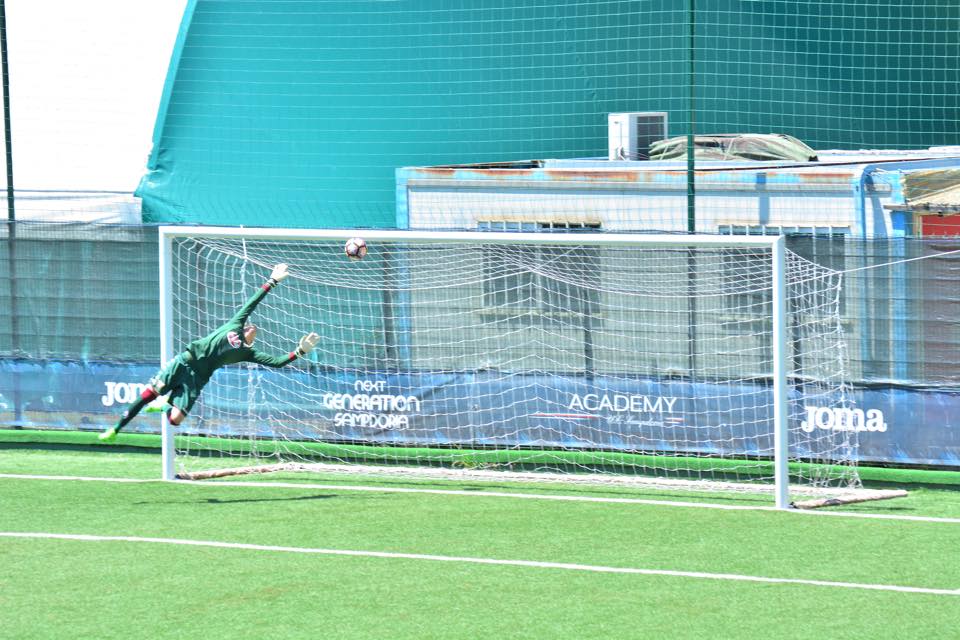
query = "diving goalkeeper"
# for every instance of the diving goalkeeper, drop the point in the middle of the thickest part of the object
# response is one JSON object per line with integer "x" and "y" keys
{"x": 184, "y": 377}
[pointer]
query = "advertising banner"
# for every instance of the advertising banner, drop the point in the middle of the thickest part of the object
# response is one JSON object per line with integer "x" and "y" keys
{"x": 490, "y": 408}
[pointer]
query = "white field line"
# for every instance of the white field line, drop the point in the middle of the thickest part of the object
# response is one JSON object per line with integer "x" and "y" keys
{"x": 28, "y": 476}
{"x": 490, "y": 561}
{"x": 496, "y": 494}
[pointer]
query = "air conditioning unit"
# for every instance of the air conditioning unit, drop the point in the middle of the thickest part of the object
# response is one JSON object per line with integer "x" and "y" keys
{"x": 631, "y": 134}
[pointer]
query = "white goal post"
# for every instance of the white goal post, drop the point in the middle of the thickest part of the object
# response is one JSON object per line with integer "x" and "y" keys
{"x": 685, "y": 360}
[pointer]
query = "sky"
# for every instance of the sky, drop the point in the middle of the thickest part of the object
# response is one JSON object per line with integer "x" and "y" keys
{"x": 85, "y": 85}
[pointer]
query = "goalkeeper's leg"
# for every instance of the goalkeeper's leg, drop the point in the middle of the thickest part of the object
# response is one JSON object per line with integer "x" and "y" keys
{"x": 146, "y": 397}
{"x": 169, "y": 378}
{"x": 181, "y": 401}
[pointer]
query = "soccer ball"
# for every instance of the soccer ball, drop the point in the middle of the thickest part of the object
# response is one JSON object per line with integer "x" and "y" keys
{"x": 355, "y": 248}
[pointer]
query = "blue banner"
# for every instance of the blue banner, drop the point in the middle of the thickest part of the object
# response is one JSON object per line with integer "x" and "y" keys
{"x": 491, "y": 408}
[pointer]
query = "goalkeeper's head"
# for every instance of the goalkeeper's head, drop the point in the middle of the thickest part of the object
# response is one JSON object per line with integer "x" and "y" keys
{"x": 249, "y": 334}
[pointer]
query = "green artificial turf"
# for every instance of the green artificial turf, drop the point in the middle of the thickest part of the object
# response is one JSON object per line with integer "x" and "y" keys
{"x": 611, "y": 461}
{"x": 113, "y": 589}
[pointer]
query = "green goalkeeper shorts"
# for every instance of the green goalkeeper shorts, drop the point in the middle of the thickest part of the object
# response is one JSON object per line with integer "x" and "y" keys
{"x": 180, "y": 380}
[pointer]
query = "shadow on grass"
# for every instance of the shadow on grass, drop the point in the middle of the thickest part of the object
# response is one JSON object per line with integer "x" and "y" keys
{"x": 84, "y": 448}
{"x": 237, "y": 500}
{"x": 533, "y": 488}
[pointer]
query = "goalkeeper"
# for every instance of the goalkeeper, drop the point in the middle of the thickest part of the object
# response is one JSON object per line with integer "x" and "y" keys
{"x": 184, "y": 377}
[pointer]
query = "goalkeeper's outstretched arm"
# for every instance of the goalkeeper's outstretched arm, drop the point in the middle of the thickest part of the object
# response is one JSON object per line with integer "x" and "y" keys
{"x": 276, "y": 277}
{"x": 305, "y": 346}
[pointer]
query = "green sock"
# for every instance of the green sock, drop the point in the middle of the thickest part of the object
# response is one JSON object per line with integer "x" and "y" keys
{"x": 132, "y": 410}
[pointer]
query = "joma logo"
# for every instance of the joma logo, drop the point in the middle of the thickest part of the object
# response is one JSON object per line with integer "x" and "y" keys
{"x": 841, "y": 419}
{"x": 121, "y": 393}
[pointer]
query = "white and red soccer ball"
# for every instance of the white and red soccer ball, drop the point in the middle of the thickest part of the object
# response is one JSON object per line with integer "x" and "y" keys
{"x": 355, "y": 248}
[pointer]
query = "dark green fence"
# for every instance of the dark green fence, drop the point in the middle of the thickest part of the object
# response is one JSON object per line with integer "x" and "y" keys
{"x": 73, "y": 291}
{"x": 81, "y": 292}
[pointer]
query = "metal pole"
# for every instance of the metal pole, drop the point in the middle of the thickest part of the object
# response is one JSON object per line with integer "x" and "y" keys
{"x": 7, "y": 136}
{"x": 781, "y": 442}
{"x": 691, "y": 164}
{"x": 11, "y": 214}
{"x": 470, "y": 237}
{"x": 168, "y": 450}
{"x": 14, "y": 318}
{"x": 692, "y": 200}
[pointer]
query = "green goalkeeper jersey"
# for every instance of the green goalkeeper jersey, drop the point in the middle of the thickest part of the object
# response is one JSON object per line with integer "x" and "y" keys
{"x": 225, "y": 345}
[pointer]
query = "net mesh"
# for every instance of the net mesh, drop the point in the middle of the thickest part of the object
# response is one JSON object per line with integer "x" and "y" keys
{"x": 305, "y": 110}
{"x": 639, "y": 361}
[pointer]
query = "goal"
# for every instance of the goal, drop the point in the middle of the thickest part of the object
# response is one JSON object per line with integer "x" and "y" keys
{"x": 683, "y": 362}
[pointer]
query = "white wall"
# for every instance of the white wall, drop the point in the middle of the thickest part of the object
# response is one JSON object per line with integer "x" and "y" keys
{"x": 85, "y": 85}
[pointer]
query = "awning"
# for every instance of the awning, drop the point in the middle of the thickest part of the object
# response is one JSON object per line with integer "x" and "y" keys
{"x": 930, "y": 192}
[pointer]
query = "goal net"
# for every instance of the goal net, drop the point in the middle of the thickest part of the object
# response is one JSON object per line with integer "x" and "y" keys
{"x": 704, "y": 363}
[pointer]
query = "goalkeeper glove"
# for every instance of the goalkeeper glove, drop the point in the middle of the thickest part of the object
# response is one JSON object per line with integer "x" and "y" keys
{"x": 279, "y": 273}
{"x": 307, "y": 343}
